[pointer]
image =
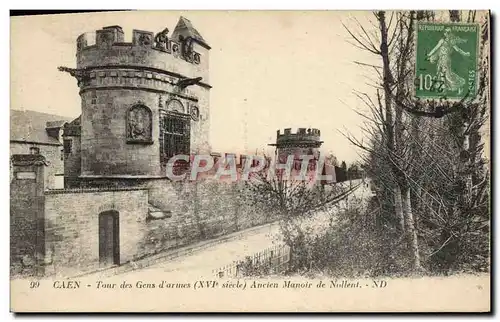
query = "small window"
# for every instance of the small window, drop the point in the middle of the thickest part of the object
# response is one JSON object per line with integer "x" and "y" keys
{"x": 93, "y": 98}
{"x": 174, "y": 135}
{"x": 62, "y": 155}
{"x": 34, "y": 150}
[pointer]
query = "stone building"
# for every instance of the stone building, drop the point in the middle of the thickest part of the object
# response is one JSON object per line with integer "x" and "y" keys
{"x": 39, "y": 133}
{"x": 303, "y": 142}
{"x": 141, "y": 103}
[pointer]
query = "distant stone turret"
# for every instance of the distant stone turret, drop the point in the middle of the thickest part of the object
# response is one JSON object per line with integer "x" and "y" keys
{"x": 302, "y": 138}
{"x": 306, "y": 141}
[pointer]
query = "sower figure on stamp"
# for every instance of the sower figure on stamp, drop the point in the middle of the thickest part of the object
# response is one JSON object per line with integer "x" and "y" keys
{"x": 441, "y": 55}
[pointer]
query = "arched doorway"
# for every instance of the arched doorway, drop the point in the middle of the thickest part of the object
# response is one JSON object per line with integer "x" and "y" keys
{"x": 109, "y": 238}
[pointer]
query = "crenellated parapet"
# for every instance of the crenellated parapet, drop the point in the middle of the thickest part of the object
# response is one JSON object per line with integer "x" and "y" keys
{"x": 156, "y": 56}
{"x": 113, "y": 37}
{"x": 301, "y": 136}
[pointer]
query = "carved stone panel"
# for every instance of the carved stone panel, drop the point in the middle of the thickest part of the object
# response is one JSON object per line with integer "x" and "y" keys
{"x": 139, "y": 124}
{"x": 175, "y": 105}
{"x": 142, "y": 38}
{"x": 196, "y": 58}
{"x": 195, "y": 113}
{"x": 175, "y": 49}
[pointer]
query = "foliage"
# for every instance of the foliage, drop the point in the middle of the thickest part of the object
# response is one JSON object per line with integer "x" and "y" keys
{"x": 426, "y": 158}
{"x": 355, "y": 246}
{"x": 294, "y": 201}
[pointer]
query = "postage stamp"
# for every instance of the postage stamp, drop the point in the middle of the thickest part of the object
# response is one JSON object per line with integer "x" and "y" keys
{"x": 242, "y": 161}
{"x": 446, "y": 60}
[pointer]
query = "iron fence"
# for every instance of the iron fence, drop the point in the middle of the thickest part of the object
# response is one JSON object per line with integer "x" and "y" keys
{"x": 273, "y": 260}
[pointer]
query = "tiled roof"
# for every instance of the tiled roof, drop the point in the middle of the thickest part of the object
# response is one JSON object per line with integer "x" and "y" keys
{"x": 185, "y": 27}
{"x": 27, "y": 159}
{"x": 31, "y": 126}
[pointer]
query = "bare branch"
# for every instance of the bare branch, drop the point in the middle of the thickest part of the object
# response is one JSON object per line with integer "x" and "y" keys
{"x": 363, "y": 45}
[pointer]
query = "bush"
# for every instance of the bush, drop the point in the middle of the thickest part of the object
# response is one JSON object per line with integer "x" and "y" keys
{"x": 352, "y": 246}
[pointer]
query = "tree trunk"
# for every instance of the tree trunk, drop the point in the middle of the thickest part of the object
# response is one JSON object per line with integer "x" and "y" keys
{"x": 411, "y": 232}
{"x": 387, "y": 82}
{"x": 398, "y": 204}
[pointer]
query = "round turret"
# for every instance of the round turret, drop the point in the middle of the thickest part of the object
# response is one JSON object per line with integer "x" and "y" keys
{"x": 302, "y": 138}
{"x": 142, "y": 101}
{"x": 306, "y": 141}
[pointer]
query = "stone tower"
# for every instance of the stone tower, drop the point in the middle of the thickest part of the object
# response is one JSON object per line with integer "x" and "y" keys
{"x": 303, "y": 142}
{"x": 142, "y": 102}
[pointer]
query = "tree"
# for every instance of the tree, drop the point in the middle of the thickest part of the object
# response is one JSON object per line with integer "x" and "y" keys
{"x": 426, "y": 156}
{"x": 466, "y": 198}
{"x": 395, "y": 43}
{"x": 294, "y": 200}
{"x": 343, "y": 166}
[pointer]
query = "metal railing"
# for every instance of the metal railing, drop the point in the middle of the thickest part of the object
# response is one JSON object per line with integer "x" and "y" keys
{"x": 273, "y": 260}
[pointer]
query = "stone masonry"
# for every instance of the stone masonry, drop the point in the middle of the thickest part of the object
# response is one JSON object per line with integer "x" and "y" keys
{"x": 117, "y": 205}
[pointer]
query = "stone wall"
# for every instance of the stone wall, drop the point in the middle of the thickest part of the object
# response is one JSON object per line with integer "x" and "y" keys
{"x": 193, "y": 211}
{"x": 27, "y": 213}
{"x": 72, "y": 226}
{"x": 105, "y": 149}
{"x": 104, "y": 146}
{"x": 197, "y": 211}
{"x": 52, "y": 153}
{"x": 72, "y": 162}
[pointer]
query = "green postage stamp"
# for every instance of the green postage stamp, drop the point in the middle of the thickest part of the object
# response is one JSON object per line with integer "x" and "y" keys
{"x": 446, "y": 60}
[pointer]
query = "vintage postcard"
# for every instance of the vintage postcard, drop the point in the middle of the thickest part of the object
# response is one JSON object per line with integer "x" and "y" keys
{"x": 250, "y": 161}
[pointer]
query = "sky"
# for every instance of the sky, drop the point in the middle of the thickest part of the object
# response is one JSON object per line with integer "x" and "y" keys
{"x": 269, "y": 70}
